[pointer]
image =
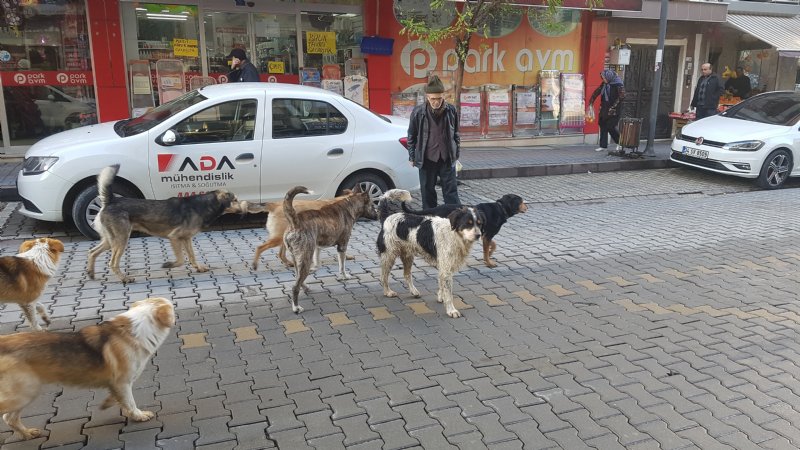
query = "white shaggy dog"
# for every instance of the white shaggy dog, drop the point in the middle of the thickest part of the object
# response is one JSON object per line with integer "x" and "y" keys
{"x": 443, "y": 243}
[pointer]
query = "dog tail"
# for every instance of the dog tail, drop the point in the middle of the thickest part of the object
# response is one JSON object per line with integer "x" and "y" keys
{"x": 407, "y": 209}
{"x": 288, "y": 208}
{"x": 385, "y": 207}
{"x": 104, "y": 182}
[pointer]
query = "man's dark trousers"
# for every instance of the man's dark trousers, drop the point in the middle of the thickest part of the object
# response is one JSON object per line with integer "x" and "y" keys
{"x": 700, "y": 113}
{"x": 427, "y": 183}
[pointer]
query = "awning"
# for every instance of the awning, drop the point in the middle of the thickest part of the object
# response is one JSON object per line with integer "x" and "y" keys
{"x": 783, "y": 33}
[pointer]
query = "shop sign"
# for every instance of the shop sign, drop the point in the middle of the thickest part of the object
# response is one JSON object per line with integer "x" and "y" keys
{"x": 185, "y": 47}
{"x": 275, "y": 67}
{"x": 320, "y": 42}
{"x": 47, "y": 78}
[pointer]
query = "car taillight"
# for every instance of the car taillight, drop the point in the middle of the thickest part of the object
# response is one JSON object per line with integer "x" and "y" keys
{"x": 404, "y": 142}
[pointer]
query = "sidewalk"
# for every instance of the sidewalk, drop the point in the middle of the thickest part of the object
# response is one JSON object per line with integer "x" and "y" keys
{"x": 497, "y": 162}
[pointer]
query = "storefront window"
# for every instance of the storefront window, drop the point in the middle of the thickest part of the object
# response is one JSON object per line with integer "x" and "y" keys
{"x": 158, "y": 31}
{"x": 335, "y": 38}
{"x": 224, "y": 32}
{"x": 45, "y": 67}
{"x": 276, "y": 44}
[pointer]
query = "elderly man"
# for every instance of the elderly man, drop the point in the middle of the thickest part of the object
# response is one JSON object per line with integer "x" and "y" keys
{"x": 434, "y": 145}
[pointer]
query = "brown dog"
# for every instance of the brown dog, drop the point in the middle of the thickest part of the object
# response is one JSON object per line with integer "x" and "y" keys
{"x": 330, "y": 225}
{"x": 24, "y": 276}
{"x": 111, "y": 355}
{"x": 177, "y": 219}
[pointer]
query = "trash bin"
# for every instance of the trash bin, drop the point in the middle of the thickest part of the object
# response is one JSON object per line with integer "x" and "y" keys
{"x": 630, "y": 131}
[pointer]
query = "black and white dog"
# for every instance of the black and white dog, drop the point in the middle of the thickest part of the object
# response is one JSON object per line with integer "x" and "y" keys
{"x": 443, "y": 243}
{"x": 495, "y": 214}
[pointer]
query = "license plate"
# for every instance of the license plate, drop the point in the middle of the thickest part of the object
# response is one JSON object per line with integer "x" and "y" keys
{"x": 695, "y": 152}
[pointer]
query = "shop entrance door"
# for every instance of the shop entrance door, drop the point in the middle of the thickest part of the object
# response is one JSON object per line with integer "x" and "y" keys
{"x": 639, "y": 87}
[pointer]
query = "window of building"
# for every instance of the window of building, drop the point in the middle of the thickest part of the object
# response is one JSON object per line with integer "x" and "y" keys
{"x": 45, "y": 66}
{"x": 276, "y": 44}
{"x": 293, "y": 118}
{"x": 226, "y": 122}
{"x": 347, "y": 29}
{"x": 224, "y": 32}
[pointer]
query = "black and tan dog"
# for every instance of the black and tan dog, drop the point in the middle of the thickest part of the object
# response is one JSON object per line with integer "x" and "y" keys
{"x": 495, "y": 215}
{"x": 331, "y": 224}
{"x": 111, "y": 355}
{"x": 177, "y": 219}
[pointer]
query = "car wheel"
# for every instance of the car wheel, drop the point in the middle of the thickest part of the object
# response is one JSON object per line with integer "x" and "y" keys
{"x": 370, "y": 183}
{"x": 87, "y": 205}
{"x": 776, "y": 169}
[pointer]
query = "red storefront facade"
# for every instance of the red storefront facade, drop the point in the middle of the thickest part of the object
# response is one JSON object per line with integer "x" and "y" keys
{"x": 114, "y": 33}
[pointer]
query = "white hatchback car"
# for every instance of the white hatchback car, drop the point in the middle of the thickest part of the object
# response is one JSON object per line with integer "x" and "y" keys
{"x": 757, "y": 138}
{"x": 256, "y": 140}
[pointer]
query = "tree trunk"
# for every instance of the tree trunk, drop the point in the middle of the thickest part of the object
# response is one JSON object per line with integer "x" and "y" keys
{"x": 462, "y": 48}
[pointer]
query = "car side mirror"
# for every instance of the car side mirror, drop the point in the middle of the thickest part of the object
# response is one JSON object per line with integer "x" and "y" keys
{"x": 169, "y": 138}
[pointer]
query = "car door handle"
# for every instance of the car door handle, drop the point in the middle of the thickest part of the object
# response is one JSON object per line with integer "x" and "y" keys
{"x": 336, "y": 152}
{"x": 245, "y": 158}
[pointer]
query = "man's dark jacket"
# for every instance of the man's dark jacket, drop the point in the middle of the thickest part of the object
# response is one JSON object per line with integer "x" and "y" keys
{"x": 418, "y": 133}
{"x": 713, "y": 91}
{"x": 246, "y": 72}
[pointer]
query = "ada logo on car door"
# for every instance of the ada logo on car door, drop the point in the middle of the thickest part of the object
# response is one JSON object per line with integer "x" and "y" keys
{"x": 217, "y": 173}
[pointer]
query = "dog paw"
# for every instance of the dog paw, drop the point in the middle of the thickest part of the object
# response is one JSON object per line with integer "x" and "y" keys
{"x": 297, "y": 309}
{"x": 202, "y": 268}
{"x": 169, "y": 265}
{"x": 254, "y": 265}
{"x": 415, "y": 293}
{"x": 142, "y": 416}
{"x": 390, "y": 293}
{"x": 128, "y": 279}
{"x": 346, "y": 276}
{"x": 491, "y": 265}
{"x": 350, "y": 257}
{"x": 30, "y": 433}
{"x": 454, "y": 314}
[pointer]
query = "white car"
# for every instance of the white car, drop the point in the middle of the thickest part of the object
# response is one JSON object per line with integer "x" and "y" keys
{"x": 256, "y": 140}
{"x": 757, "y": 138}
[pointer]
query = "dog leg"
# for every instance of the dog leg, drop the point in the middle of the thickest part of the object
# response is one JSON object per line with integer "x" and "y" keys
{"x": 43, "y": 313}
{"x": 272, "y": 242}
{"x": 315, "y": 262}
{"x": 177, "y": 249}
{"x": 93, "y": 254}
{"x": 343, "y": 273}
{"x": 282, "y": 255}
{"x": 387, "y": 261}
{"x": 446, "y": 294}
{"x": 124, "y": 396}
{"x": 488, "y": 249}
{"x": 116, "y": 256}
{"x": 12, "y": 420}
{"x": 187, "y": 243}
{"x": 28, "y": 310}
{"x": 408, "y": 264}
{"x": 301, "y": 272}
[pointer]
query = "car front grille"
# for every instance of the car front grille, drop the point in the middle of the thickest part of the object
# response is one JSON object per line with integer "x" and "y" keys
{"x": 678, "y": 156}
{"x": 687, "y": 138}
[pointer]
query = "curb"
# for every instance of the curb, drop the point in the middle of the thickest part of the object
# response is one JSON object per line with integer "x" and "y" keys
{"x": 564, "y": 169}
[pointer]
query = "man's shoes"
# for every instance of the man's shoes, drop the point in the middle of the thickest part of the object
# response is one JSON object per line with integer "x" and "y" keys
{"x": 600, "y": 149}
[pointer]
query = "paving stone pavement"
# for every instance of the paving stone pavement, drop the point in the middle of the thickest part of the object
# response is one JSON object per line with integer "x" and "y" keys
{"x": 629, "y": 310}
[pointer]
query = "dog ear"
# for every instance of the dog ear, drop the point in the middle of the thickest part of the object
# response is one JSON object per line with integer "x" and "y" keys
{"x": 165, "y": 314}
{"x": 455, "y": 217}
{"x": 55, "y": 246}
{"x": 27, "y": 245}
{"x": 357, "y": 189}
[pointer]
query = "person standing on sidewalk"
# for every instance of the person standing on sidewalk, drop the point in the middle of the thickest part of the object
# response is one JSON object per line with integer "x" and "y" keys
{"x": 243, "y": 70}
{"x": 611, "y": 92}
{"x": 434, "y": 145}
{"x": 706, "y": 95}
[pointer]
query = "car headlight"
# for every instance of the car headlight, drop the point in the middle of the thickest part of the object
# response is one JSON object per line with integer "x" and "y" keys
{"x": 743, "y": 146}
{"x": 37, "y": 164}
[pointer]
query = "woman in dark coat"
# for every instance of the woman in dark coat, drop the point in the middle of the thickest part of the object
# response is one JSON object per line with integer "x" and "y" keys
{"x": 611, "y": 93}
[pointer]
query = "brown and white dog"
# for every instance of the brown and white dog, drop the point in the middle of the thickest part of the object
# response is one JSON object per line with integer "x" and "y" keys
{"x": 177, "y": 219}
{"x": 277, "y": 224}
{"x": 443, "y": 243}
{"x": 111, "y": 355}
{"x": 330, "y": 225}
{"x": 24, "y": 276}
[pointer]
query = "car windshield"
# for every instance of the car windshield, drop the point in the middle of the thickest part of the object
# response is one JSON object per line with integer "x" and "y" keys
{"x": 777, "y": 108}
{"x": 157, "y": 115}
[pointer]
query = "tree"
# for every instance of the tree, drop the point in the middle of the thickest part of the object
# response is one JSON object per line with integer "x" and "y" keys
{"x": 475, "y": 16}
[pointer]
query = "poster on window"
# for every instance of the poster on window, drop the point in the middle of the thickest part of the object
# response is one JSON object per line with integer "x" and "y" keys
{"x": 356, "y": 89}
{"x": 572, "y": 106}
{"x": 309, "y": 76}
{"x": 336, "y": 86}
{"x": 470, "y": 110}
{"x": 499, "y": 106}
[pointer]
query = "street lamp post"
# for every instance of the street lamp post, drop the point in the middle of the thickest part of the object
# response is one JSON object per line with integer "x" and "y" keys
{"x": 662, "y": 34}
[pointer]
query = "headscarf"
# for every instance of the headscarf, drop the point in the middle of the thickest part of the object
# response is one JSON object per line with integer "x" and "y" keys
{"x": 611, "y": 78}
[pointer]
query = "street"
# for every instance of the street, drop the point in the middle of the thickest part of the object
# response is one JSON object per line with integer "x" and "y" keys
{"x": 642, "y": 309}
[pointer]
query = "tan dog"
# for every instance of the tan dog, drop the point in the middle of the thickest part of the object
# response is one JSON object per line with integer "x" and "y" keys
{"x": 24, "y": 276}
{"x": 177, "y": 219}
{"x": 111, "y": 355}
